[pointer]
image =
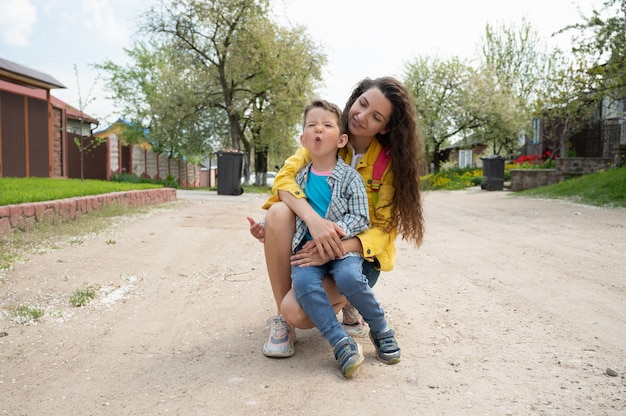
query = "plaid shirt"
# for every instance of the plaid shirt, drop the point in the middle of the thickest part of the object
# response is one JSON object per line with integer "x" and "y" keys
{"x": 348, "y": 204}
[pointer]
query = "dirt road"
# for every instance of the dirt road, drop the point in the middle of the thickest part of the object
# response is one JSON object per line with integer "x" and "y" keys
{"x": 511, "y": 307}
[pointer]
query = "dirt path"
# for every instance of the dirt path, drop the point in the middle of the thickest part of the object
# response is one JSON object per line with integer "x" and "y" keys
{"x": 511, "y": 307}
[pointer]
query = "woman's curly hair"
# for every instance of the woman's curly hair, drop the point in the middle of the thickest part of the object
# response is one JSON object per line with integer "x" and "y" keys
{"x": 403, "y": 139}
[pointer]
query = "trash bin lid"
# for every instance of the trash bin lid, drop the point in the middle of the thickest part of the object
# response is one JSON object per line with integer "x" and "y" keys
{"x": 229, "y": 152}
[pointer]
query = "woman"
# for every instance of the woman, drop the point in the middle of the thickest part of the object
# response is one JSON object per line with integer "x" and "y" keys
{"x": 379, "y": 117}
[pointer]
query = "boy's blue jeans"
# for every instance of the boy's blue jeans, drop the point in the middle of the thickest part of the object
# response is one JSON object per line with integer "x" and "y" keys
{"x": 348, "y": 275}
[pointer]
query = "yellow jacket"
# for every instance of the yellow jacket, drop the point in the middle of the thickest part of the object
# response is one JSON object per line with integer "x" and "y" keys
{"x": 377, "y": 245}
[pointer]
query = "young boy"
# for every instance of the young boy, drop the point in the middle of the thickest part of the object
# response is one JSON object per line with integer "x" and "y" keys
{"x": 336, "y": 192}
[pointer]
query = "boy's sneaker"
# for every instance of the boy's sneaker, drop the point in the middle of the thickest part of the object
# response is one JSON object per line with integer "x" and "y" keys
{"x": 387, "y": 349}
{"x": 353, "y": 323}
{"x": 349, "y": 355}
{"x": 281, "y": 339}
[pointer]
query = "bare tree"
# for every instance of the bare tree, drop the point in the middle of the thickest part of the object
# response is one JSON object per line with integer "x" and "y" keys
{"x": 85, "y": 143}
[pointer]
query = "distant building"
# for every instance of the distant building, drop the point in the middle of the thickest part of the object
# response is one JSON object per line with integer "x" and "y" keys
{"x": 37, "y": 130}
{"x": 465, "y": 153}
{"x": 140, "y": 159}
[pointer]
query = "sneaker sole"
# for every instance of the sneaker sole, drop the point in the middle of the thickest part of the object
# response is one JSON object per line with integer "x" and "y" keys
{"x": 388, "y": 362}
{"x": 278, "y": 354}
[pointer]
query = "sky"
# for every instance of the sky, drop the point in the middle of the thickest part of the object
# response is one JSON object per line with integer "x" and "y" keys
{"x": 361, "y": 38}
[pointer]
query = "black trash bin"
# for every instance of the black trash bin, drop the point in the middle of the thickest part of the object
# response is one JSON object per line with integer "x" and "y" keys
{"x": 229, "y": 166}
{"x": 493, "y": 173}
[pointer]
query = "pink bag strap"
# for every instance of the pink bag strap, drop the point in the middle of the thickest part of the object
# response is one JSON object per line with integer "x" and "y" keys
{"x": 380, "y": 165}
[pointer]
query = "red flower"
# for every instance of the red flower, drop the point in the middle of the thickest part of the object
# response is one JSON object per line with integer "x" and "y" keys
{"x": 533, "y": 158}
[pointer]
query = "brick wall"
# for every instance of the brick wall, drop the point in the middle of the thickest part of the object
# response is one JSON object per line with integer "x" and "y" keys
{"x": 57, "y": 144}
{"x": 566, "y": 168}
{"x": 532, "y": 178}
{"x": 22, "y": 216}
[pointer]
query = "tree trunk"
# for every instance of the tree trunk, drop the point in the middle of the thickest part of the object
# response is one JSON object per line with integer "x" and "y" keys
{"x": 260, "y": 166}
{"x": 436, "y": 158}
{"x": 233, "y": 119}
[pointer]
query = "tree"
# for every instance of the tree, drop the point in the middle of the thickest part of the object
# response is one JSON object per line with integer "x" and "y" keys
{"x": 573, "y": 94}
{"x": 158, "y": 101}
{"x": 497, "y": 112}
{"x": 282, "y": 93}
{"x": 514, "y": 62}
{"x": 565, "y": 102}
{"x": 440, "y": 89}
{"x": 243, "y": 63}
{"x": 601, "y": 38}
{"x": 85, "y": 144}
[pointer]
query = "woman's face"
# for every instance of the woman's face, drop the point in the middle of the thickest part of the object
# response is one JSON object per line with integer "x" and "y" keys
{"x": 370, "y": 113}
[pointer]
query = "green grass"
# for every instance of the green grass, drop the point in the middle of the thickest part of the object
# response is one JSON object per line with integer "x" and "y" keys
{"x": 252, "y": 189}
{"x": 24, "y": 315}
{"x": 82, "y": 297}
{"x": 607, "y": 189}
{"x": 22, "y": 190}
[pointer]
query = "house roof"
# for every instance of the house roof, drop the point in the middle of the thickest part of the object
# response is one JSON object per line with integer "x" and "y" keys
{"x": 116, "y": 127}
{"x": 71, "y": 112}
{"x": 21, "y": 74}
{"x": 119, "y": 127}
{"x": 467, "y": 143}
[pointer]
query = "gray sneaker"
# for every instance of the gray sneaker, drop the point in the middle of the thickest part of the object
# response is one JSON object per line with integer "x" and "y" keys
{"x": 349, "y": 355}
{"x": 353, "y": 323}
{"x": 281, "y": 340}
{"x": 387, "y": 349}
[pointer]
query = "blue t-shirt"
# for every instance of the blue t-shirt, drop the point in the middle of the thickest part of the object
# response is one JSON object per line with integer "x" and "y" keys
{"x": 318, "y": 193}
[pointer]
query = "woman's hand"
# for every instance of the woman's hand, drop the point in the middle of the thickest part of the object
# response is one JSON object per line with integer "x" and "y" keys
{"x": 327, "y": 238}
{"x": 256, "y": 229}
{"x": 307, "y": 256}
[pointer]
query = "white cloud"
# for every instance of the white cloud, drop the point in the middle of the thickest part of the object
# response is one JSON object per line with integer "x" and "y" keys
{"x": 16, "y": 21}
{"x": 100, "y": 17}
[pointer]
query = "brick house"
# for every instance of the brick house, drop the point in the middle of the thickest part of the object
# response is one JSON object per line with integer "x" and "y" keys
{"x": 604, "y": 136}
{"x": 37, "y": 130}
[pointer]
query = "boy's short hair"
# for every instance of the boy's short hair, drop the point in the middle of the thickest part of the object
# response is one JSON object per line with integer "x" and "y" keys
{"x": 326, "y": 105}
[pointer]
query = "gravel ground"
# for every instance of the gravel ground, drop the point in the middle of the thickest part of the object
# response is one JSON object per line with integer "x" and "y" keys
{"x": 512, "y": 306}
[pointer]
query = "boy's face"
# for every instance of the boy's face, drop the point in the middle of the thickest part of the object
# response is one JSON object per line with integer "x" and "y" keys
{"x": 321, "y": 133}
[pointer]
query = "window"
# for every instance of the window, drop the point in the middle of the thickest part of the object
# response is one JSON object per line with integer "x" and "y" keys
{"x": 465, "y": 158}
{"x": 536, "y": 136}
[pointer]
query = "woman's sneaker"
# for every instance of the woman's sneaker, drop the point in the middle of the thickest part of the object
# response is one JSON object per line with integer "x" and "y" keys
{"x": 349, "y": 355}
{"x": 353, "y": 323}
{"x": 387, "y": 349}
{"x": 281, "y": 339}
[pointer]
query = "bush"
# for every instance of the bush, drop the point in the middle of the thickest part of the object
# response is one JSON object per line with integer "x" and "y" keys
{"x": 170, "y": 182}
{"x": 452, "y": 179}
{"x": 125, "y": 177}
